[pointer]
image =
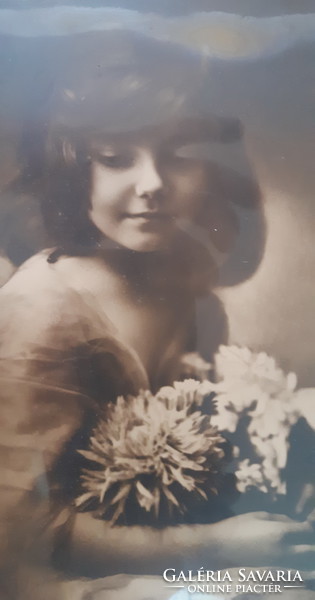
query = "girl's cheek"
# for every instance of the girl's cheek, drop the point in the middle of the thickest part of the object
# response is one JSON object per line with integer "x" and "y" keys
{"x": 191, "y": 199}
{"x": 192, "y": 183}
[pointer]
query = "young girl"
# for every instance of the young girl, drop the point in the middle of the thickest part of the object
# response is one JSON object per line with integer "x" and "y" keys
{"x": 110, "y": 308}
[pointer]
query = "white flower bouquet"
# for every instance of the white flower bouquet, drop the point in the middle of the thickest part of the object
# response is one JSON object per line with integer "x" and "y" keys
{"x": 252, "y": 389}
{"x": 156, "y": 459}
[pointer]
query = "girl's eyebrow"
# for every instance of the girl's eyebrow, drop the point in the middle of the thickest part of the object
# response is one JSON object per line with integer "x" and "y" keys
{"x": 100, "y": 144}
{"x": 109, "y": 148}
{"x": 106, "y": 149}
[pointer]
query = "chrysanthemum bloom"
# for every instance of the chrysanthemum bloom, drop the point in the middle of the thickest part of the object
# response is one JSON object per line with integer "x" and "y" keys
{"x": 151, "y": 455}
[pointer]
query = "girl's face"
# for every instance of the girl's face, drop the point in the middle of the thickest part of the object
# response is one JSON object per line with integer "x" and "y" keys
{"x": 142, "y": 186}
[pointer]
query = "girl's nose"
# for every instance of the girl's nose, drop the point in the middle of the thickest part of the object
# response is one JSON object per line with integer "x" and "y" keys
{"x": 149, "y": 180}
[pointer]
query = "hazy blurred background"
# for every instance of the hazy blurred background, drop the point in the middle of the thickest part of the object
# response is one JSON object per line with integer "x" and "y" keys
{"x": 268, "y": 81}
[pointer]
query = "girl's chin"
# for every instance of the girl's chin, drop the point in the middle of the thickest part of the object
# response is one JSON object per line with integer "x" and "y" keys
{"x": 147, "y": 246}
{"x": 145, "y": 243}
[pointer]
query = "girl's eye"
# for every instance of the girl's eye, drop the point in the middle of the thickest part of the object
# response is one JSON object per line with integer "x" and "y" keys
{"x": 116, "y": 160}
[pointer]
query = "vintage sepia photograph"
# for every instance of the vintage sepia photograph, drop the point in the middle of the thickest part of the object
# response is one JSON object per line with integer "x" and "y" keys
{"x": 157, "y": 292}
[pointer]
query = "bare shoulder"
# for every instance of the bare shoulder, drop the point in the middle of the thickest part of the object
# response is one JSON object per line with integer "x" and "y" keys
{"x": 34, "y": 276}
{"x": 38, "y": 305}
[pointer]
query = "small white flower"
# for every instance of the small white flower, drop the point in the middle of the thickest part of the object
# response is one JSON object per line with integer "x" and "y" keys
{"x": 250, "y": 475}
{"x": 225, "y": 419}
{"x": 193, "y": 365}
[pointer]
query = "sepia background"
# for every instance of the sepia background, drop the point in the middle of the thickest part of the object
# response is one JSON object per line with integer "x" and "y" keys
{"x": 267, "y": 79}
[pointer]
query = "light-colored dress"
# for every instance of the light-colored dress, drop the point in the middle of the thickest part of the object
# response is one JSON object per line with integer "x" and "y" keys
{"x": 59, "y": 363}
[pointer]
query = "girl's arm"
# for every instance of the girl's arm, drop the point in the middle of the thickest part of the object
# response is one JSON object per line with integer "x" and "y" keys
{"x": 253, "y": 539}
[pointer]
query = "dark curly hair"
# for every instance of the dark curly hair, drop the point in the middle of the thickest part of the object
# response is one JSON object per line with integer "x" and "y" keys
{"x": 117, "y": 82}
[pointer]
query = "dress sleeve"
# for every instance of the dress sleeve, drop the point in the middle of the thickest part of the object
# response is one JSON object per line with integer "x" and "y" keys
{"x": 58, "y": 363}
{"x": 42, "y": 407}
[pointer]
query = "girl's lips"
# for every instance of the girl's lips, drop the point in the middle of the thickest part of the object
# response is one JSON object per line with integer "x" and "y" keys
{"x": 150, "y": 215}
